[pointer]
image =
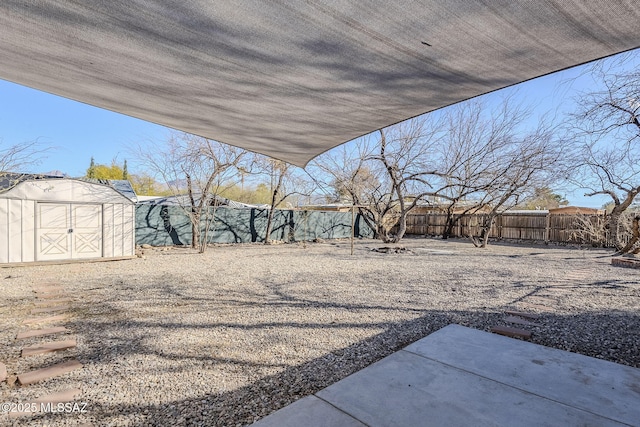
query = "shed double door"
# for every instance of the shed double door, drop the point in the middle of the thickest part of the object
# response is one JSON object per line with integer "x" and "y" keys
{"x": 68, "y": 231}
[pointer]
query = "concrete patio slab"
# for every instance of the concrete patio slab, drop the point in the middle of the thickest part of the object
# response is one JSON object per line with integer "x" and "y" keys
{"x": 587, "y": 383}
{"x": 459, "y": 376}
{"x": 309, "y": 412}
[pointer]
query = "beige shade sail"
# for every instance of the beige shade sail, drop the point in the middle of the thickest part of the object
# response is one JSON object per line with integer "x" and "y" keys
{"x": 291, "y": 78}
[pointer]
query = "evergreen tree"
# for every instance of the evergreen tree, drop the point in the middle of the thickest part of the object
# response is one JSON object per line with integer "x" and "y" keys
{"x": 91, "y": 172}
{"x": 125, "y": 172}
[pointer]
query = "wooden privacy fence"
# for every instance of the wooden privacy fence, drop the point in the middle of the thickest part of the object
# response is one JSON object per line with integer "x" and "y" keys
{"x": 534, "y": 226}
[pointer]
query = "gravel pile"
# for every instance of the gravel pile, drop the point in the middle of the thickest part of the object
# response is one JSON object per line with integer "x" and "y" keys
{"x": 229, "y": 336}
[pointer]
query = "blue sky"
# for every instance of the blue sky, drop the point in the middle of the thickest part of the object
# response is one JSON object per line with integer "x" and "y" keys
{"x": 78, "y": 131}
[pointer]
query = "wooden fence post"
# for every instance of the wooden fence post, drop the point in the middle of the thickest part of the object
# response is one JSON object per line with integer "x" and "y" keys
{"x": 547, "y": 227}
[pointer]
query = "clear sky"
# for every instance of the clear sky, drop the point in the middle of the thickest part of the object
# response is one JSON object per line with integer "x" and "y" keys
{"x": 78, "y": 131}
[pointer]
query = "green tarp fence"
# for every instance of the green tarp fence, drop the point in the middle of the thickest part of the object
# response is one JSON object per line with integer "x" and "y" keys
{"x": 159, "y": 225}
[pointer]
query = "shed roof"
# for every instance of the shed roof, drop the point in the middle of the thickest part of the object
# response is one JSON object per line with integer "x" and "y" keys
{"x": 8, "y": 180}
{"x": 64, "y": 190}
{"x": 293, "y": 79}
{"x": 123, "y": 186}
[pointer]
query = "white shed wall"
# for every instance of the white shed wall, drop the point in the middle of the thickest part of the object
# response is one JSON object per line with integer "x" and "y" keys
{"x": 18, "y": 217}
{"x": 15, "y": 230}
{"x": 119, "y": 230}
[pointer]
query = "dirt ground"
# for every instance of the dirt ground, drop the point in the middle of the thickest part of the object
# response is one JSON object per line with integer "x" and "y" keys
{"x": 229, "y": 336}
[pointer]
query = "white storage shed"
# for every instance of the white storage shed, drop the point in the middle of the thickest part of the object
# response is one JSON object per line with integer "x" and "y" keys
{"x": 53, "y": 219}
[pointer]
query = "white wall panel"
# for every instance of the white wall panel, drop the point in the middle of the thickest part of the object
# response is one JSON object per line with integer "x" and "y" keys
{"x": 28, "y": 230}
{"x": 15, "y": 230}
{"x": 128, "y": 231}
{"x": 107, "y": 236}
{"x": 4, "y": 230}
{"x": 117, "y": 229}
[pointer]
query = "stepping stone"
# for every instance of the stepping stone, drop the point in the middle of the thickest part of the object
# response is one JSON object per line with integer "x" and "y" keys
{"x": 530, "y": 316}
{"x": 548, "y": 302}
{"x": 60, "y": 396}
{"x": 40, "y": 332}
{"x": 49, "y": 372}
{"x": 626, "y": 262}
{"x": 48, "y": 347}
{"x": 511, "y": 332}
{"x": 63, "y": 396}
{"x": 538, "y": 307}
{"x": 3, "y": 372}
{"x": 50, "y": 309}
{"x": 48, "y": 285}
{"x": 557, "y": 291}
{"x": 48, "y": 289}
{"x": 519, "y": 321}
{"x": 44, "y": 319}
{"x": 52, "y": 301}
{"x": 52, "y": 295}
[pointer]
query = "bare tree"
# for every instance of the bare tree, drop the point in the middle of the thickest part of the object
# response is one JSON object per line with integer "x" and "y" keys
{"x": 282, "y": 186}
{"x": 14, "y": 159}
{"x": 405, "y": 151}
{"x": 285, "y": 183}
{"x": 525, "y": 164}
{"x": 607, "y": 121}
{"x": 615, "y": 172}
{"x": 472, "y": 157}
{"x": 489, "y": 160}
{"x": 386, "y": 177}
{"x": 195, "y": 169}
{"x": 352, "y": 178}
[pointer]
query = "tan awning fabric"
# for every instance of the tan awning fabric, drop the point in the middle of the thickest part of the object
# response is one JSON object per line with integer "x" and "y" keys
{"x": 293, "y": 78}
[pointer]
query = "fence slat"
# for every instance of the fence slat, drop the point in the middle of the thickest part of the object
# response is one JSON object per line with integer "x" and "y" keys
{"x": 558, "y": 228}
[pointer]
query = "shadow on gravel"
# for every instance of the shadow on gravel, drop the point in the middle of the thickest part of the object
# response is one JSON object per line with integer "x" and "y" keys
{"x": 585, "y": 333}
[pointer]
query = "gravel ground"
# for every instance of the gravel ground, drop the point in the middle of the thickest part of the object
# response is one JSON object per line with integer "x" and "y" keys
{"x": 229, "y": 336}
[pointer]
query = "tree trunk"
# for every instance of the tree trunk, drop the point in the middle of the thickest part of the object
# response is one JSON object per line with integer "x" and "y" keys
{"x": 632, "y": 246}
{"x": 371, "y": 222}
{"x": 402, "y": 229}
{"x": 383, "y": 234}
{"x": 449, "y": 224}
{"x": 614, "y": 228}
{"x": 486, "y": 230}
{"x": 195, "y": 230}
{"x": 267, "y": 236}
{"x": 482, "y": 241}
{"x": 274, "y": 198}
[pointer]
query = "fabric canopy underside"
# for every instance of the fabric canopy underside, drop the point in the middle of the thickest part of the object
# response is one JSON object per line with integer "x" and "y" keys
{"x": 292, "y": 79}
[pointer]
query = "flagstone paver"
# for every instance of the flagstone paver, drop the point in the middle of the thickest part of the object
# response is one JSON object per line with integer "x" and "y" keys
{"x": 40, "y": 332}
{"x": 48, "y": 372}
{"x": 48, "y": 347}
